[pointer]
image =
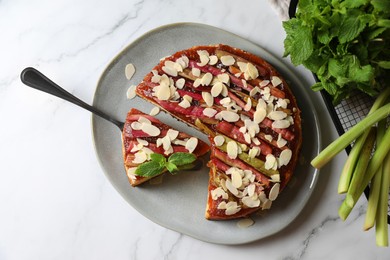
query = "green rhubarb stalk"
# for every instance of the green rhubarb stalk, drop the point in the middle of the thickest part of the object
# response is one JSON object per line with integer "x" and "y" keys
{"x": 361, "y": 166}
{"x": 380, "y": 153}
{"x": 343, "y": 141}
{"x": 353, "y": 157}
{"x": 375, "y": 184}
{"x": 382, "y": 234}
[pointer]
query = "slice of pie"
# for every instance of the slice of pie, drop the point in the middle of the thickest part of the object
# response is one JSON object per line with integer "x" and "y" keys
{"x": 144, "y": 135}
{"x": 249, "y": 113}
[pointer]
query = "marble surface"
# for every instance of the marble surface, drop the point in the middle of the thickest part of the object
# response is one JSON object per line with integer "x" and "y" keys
{"x": 56, "y": 202}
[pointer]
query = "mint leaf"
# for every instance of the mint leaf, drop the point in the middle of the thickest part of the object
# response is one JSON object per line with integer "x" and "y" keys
{"x": 317, "y": 86}
{"x": 360, "y": 73}
{"x": 354, "y": 3}
{"x": 180, "y": 158}
{"x": 171, "y": 167}
{"x": 351, "y": 26}
{"x": 384, "y": 64}
{"x": 381, "y": 5}
{"x": 149, "y": 169}
{"x": 336, "y": 68}
{"x": 159, "y": 158}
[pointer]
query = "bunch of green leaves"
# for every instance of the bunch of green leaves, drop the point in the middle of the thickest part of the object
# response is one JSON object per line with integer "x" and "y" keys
{"x": 159, "y": 164}
{"x": 345, "y": 43}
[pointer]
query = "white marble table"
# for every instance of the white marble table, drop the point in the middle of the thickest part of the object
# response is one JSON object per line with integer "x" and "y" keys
{"x": 55, "y": 201}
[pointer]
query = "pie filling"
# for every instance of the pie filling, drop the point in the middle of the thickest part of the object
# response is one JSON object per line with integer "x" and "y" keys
{"x": 247, "y": 110}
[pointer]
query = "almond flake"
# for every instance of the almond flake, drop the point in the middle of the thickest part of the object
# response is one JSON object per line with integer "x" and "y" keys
{"x": 277, "y": 115}
{"x": 242, "y": 66}
{"x": 274, "y": 192}
{"x": 281, "y": 124}
{"x": 208, "y": 98}
{"x": 254, "y": 91}
{"x": 224, "y": 78}
{"x": 129, "y": 71}
{"x": 248, "y": 105}
{"x": 244, "y": 83}
{"x": 227, "y": 60}
{"x": 151, "y": 130}
{"x": 252, "y": 72}
{"x": 222, "y": 205}
{"x": 281, "y": 103}
{"x": 275, "y": 81}
{"x": 136, "y": 125}
{"x": 216, "y": 89}
{"x": 130, "y": 94}
{"x": 268, "y": 138}
{"x": 191, "y": 144}
{"x": 142, "y": 142}
{"x": 270, "y": 161}
{"x": 197, "y": 83}
{"x": 275, "y": 177}
{"x": 131, "y": 173}
{"x": 206, "y": 79}
{"x": 245, "y": 223}
{"x": 166, "y": 143}
{"x": 172, "y": 134}
{"x": 185, "y": 103}
{"x": 163, "y": 92}
{"x": 140, "y": 157}
{"x": 267, "y": 204}
{"x": 255, "y": 151}
{"x": 231, "y": 188}
{"x": 224, "y": 91}
{"x": 285, "y": 157}
{"x": 204, "y": 59}
{"x": 256, "y": 141}
{"x": 156, "y": 78}
{"x": 213, "y": 60}
{"x": 229, "y": 116}
{"x": 209, "y": 112}
{"x": 154, "y": 111}
{"x": 261, "y": 104}
{"x": 219, "y": 140}
{"x": 179, "y": 142}
{"x": 170, "y": 70}
{"x": 247, "y": 138}
{"x": 195, "y": 72}
{"x": 182, "y": 63}
{"x": 187, "y": 97}
{"x": 250, "y": 203}
{"x": 259, "y": 115}
{"x": 178, "y": 67}
{"x": 251, "y": 189}
{"x": 232, "y": 208}
{"x": 232, "y": 149}
{"x": 180, "y": 83}
{"x": 218, "y": 192}
{"x": 281, "y": 142}
{"x": 225, "y": 101}
{"x": 264, "y": 83}
{"x": 236, "y": 179}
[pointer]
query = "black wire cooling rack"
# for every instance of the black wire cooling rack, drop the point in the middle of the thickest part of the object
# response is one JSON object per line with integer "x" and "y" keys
{"x": 349, "y": 112}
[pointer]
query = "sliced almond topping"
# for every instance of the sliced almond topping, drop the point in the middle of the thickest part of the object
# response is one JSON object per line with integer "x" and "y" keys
{"x": 252, "y": 71}
{"x": 254, "y": 91}
{"x": 268, "y": 138}
{"x": 185, "y": 59}
{"x": 242, "y": 66}
{"x": 140, "y": 157}
{"x": 270, "y": 161}
{"x": 187, "y": 97}
{"x": 185, "y": 103}
{"x": 229, "y": 116}
{"x": 275, "y": 177}
{"x": 232, "y": 149}
{"x": 154, "y": 111}
{"x": 224, "y": 91}
{"x": 159, "y": 142}
{"x": 251, "y": 189}
{"x": 131, "y": 92}
{"x": 274, "y": 192}
{"x": 224, "y": 78}
{"x": 216, "y": 89}
{"x": 142, "y": 119}
{"x": 166, "y": 143}
{"x": 262, "y": 197}
{"x": 259, "y": 115}
{"x": 177, "y": 66}
{"x": 169, "y": 68}
{"x": 236, "y": 179}
{"x": 151, "y": 130}
{"x": 285, "y": 157}
{"x": 191, "y": 144}
{"x": 204, "y": 58}
{"x": 218, "y": 192}
{"x": 182, "y": 63}
{"x": 213, "y": 60}
{"x": 222, "y": 205}
{"x": 219, "y": 140}
{"x": 261, "y": 104}
{"x": 195, "y": 72}
{"x": 197, "y": 83}
{"x": 163, "y": 92}
{"x": 264, "y": 83}
{"x": 209, "y": 112}
{"x": 256, "y": 141}
{"x": 227, "y": 60}
{"x": 281, "y": 103}
{"x": 131, "y": 173}
{"x": 206, "y": 79}
{"x": 156, "y": 78}
{"x": 179, "y": 142}
{"x": 255, "y": 151}
{"x": 245, "y": 223}
{"x": 172, "y": 134}
{"x": 267, "y": 204}
{"x": 135, "y": 125}
{"x": 142, "y": 142}
{"x": 250, "y": 203}
{"x": 232, "y": 208}
{"x": 277, "y": 115}
{"x": 231, "y": 188}
{"x": 180, "y": 83}
{"x": 281, "y": 124}
{"x": 281, "y": 142}
{"x": 225, "y": 101}
{"x": 248, "y": 105}
{"x": 275, "y": 81}
{"x": 208, "y": 98}
{"x": 129, "y": 71}
{"x": 247, "y": 138}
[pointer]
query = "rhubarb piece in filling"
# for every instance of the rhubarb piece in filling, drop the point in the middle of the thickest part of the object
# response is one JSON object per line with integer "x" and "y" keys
{"x": 249, "y": 113}
{"x": 143, "y": 135}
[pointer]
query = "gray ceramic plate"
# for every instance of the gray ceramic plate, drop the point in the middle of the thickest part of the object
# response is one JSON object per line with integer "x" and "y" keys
{"x": 178, "y": 203}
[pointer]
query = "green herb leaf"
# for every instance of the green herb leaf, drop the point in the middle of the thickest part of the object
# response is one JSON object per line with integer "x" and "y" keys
{"x": 149, "y": 169}
{"x": 171, "y": 167}
{"x": 159, "y": 158}
{"x": 181, "y": 158}
{"x": 351, "y": 26}
{"x": 384, "y": 64}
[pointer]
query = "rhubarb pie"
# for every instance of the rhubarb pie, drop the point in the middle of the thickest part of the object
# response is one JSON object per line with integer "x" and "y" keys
{"x": 249, "y": 113}
{"x": 144, "y": 135}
